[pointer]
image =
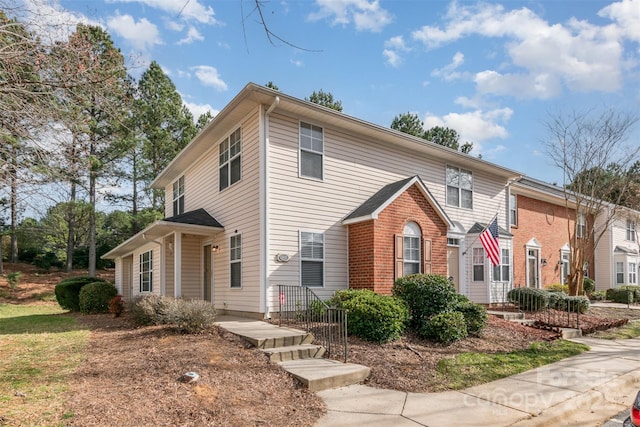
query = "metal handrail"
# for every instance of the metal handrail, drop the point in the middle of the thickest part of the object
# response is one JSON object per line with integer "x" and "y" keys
{"x": 301, "y": 308}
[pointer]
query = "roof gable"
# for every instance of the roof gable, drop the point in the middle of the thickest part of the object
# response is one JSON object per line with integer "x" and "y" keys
{"x": 375, "y": 204}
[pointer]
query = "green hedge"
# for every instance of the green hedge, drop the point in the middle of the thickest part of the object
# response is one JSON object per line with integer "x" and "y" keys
{"x": 624, "y": 294}
{"x": 529, "y": 299}
{"x": 68, "y": 291}
{"x": 445, "y": 327}
{"x": 373, "y": 317}
{"x": 426, "y": 295}
{"x": 475, "y": 317}
{"x": 588, "y": 286}
{"x": 95, "y": 297}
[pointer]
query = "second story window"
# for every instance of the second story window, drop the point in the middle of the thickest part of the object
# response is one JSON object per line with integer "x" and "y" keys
{"x": 178, "y": 196}
{"x": 459, "y": 187}
{"x": 631, "y": 230}
{"x": 311, "y": 151}
{"x": 513, "y": 209}
{"x": 230, "y": 159}
{"x": 581, "y": 227}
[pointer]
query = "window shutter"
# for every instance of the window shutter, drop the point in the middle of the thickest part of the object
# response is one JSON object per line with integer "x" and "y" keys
{"x": 399, "y": 255}
{"x": 426, "y": 256}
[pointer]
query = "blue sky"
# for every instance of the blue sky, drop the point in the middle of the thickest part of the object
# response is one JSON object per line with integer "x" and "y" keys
{"x": 493, "y": 71}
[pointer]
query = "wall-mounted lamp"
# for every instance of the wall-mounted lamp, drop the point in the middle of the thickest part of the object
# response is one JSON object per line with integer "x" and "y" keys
{"x": 543, "y": 261}
{"x": 215, "y": 248}
{"x": 560, "y": 262}
{"x": 170, "y": 248}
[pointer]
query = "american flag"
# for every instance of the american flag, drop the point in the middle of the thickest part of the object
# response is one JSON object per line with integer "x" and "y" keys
{"x": 489, "y": 240}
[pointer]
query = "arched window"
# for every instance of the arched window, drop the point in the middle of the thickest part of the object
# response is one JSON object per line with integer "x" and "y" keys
{"x": 412, "y": 239}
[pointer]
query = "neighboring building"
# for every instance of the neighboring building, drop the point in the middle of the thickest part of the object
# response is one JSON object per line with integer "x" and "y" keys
{"x": 617, "y": 255}
{"x": 540, "y": 223}
{"x": 277, "y": 190}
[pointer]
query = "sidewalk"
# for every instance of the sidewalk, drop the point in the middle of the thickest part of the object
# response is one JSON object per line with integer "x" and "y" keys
{"x": 584, "y": 390}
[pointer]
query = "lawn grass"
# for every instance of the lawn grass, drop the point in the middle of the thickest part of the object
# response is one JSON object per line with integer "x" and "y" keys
{"x": 41, "y": 347}
{"x": 469, "y": 369}
{"x": 630, "y": 330}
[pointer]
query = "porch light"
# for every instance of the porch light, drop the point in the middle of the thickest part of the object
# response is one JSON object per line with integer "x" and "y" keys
{"x": 215, "y": 248}
{"x": 543, "y": 261}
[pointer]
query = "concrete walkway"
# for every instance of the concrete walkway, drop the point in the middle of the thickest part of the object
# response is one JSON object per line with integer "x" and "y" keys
{"x": 584, "y": 390}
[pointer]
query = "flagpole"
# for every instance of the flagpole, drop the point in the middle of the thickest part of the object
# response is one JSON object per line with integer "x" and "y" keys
{"x": 478, "y": 236}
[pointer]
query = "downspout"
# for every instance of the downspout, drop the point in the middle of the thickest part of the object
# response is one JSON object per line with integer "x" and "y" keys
{"x": 264, "y": 210}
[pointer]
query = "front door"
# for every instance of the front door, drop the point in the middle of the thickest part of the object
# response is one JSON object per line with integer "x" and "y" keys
{"x": 532, "y": 268}
{"x": 206, "y": 270}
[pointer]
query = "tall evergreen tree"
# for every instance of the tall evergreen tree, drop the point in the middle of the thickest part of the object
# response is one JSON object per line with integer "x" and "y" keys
{"x": 166, "y": 126}
{"x": 325, "y": 99}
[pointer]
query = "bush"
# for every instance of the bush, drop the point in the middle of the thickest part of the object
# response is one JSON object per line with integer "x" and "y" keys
{"x": 577, "y": 304}
{"x": 95, "y": 297}
{"x": 475, "y": 317}
{"x": 558, "y": 287}
{"x": 187, "y": 316}
{"x": 598, "y": 295}
{"x": 373, "y": 317}
{"x": 557, "y": 300}
{"x": 68, "y": 291}
{"x": 445, "y": 327}
{"x": 426, "y": 295}
{"x": 588, "y": 286}
{"x": 624, "y": 294}
{"x": 47, "y": 260}
{"x": 529, "y": 299}
{"x": 14, "y": 279}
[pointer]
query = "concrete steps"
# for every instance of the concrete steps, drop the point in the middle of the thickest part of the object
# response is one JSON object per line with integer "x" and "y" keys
{"x": 293, "y": 350}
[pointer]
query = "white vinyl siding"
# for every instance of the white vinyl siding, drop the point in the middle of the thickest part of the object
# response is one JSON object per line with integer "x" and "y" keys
{"x": 236, "y": 208}
{"x": 355, "y": 168}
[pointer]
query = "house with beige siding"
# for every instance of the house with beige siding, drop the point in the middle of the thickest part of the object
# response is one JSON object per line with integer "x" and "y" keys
{"x": 280, "y": 191}
{"x": 617, "y": 255}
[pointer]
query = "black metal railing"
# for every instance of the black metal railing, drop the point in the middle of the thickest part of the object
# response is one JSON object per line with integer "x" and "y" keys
{"x": 550, "y": 309}
{"x": 301, "y": 308}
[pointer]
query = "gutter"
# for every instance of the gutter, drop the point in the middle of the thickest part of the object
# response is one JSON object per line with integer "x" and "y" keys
{"x": 264, "y": 209}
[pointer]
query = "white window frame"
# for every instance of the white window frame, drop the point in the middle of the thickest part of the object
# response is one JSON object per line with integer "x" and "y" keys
{"x": 146, "y": 267}
{"x": 502, "y": 271}
{"x": 581, "y": 226}
{"x": 633, "y": 273}
{"x": 478, "y": 260}
{"x": 235, "y": 258}
{"x": 458, "y": 186}
{"x": 631, "y": 230}
{"x": 308, "y": 149}
{"x": 229, "y": 151}
{"x": 620, "y": 273}
{"x": 412, "y": 248}
{"x": 301, "y": 238}
{"x": 565, "y": 260}
{"x": 513, "y": 209}
{"x": 178, "y": 196}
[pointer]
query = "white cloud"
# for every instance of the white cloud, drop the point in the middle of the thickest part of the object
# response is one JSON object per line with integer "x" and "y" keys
{"x": 188, "y": 10}
{"x": 50, "y": 21}
{"x": 576, "y": 54}
{"x": 209, "y": 76}
{"x": 298, "y": 63}
{"x": 448, "y": 72}
{"x": 174, "y": 26}
{"x": 393, "y": 49}
{"x": 367, "y": 15}
{"x": 475, "y": 126}
{"x": 199, "y": 109}
{"x": 142, "y": 34}
{"x": 192, "y": 35}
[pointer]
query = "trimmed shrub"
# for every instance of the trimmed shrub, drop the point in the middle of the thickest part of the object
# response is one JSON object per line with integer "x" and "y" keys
{"x": 598, "y": 295}
{"x": 95, "y": 297}
{"x": 588, "y": 286}
{"x": 624, "y": 294}
{"x": 557, "y": 300}
{"x": 68, "y": 291}
{"x": 529, "y": 299}
{"x": 577, "y": 304}
{"x": 373, "y": 317}
{"x": 558, "y": 287}
{"x": 151, "y": 309}
{"x": 426, "y": 295}
{"x": 475, "y": 317}
{"x": 445, "y": 327}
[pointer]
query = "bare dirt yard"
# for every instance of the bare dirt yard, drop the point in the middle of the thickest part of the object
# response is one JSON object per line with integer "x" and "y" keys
{"x": 129, "y": 376}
